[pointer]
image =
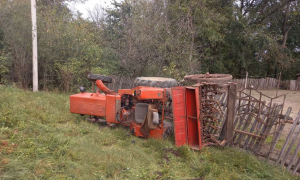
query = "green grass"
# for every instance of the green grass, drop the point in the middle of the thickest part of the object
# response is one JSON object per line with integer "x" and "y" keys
{"x": 41, "y": 139}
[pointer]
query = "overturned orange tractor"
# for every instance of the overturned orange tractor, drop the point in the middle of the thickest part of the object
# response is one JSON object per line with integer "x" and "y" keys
{"x": 141, "y": 108}
{"x": 147, "y": 109}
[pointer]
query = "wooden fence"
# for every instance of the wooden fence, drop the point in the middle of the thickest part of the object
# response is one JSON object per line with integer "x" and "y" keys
{"x": 262, "y": 128}
{"x": 266, "y": 84}
{"x": 258, "y": 84}
{"x": 293, "y": 85}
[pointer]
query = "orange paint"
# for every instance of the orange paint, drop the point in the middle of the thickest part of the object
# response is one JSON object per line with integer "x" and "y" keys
{"x": 155, "y": 133}
{"x": 144, "y": 93}
{"x": 113, "y": 104}
{"x": 93, "y": 104}
{"x": 125, "y": 91}
{"x": 107, "y": 105}
{"x": 103, "y": 88}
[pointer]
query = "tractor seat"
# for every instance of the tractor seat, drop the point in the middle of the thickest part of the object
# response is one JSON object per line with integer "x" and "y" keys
{"x": 140, "y": 113}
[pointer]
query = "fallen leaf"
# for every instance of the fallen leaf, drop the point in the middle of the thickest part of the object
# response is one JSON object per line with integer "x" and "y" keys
{"x": 4, "y": 143}
{"x": 4, "y": 161}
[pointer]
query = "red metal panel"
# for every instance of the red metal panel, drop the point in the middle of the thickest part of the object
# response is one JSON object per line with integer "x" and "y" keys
{"x": 199, "y": 122}
{"x": 192, "y": 119}
{"x": 179, "y": 115}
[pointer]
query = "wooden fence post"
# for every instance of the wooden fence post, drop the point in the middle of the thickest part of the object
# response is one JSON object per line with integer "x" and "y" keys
{"x": 278, "y": 83}
{"x": 229, "y": 124}
{"x": 246, "y": 80}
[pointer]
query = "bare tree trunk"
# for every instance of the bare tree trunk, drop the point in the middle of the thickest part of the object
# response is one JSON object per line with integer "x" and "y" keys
{"x": 285, "y": 36}
{"x": 191, "y": 53}
{"x": 285, "y": 28}
{"x": 44, "y": 85}
{"x": 191, "y": 27}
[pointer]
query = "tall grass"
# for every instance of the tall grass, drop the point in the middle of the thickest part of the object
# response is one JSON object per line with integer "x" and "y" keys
{"x": 41, "y": 139}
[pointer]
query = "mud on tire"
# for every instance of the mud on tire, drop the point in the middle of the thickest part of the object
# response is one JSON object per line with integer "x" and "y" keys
{"x": 155, "y": 82}
{"x": 94, "y": 77}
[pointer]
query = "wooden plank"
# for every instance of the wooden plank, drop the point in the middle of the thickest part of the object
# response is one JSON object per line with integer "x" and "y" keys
{"x": 237, "y": 112}
{"x": 269, "y": 126}
{"x": 279, "y": 132}
{"x": 294, "y": 157}
{"x": 247, "y": 110}
{"x": 244, "y": 122}
{"x": 247, "y": 133}
{"x": 228, "y": 127}
{"x": 293, "y": 85}
{"x": 262, "y": 132}
{"x": 261, "y": 123}
{"x": 252, "y": 100}
{"x": 223, "y": 103}
{"x": 296, "y": 166}
{"x": 223, "y": 122}
{"x": 286, "y": 142}
{"x": 254, "y": 125}
{"x": 293, "y": 141}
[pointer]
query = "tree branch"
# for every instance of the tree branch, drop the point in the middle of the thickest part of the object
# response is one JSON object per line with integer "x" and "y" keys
{"x": 272, "y": 12}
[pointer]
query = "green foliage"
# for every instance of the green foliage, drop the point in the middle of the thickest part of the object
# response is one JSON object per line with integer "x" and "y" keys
{"x": 41, "y": 139}
{"x": 169, "y": 38}
{"x": 4, "y": 65}
{"x": 16, "y": 39}
{"x": 68, "y": 50}
{"x": 183, "y": 37}
{"x": 68, "y": 46}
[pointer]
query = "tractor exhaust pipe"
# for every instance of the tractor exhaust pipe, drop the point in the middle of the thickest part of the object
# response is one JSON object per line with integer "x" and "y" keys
{"x": 103, "y": 88}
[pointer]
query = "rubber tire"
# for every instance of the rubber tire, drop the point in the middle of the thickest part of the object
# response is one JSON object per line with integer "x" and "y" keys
{"x": 94, "y": 77}
{"x": 155, "y": 82}
{"x": 212, "y": 78}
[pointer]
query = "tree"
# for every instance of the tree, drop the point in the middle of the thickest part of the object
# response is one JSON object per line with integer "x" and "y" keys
{"x": 68, "y": 48}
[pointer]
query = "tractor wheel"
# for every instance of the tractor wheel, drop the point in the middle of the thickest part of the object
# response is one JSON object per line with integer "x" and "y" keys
{"x": 155, "y": 82}
{"x": 94, "y": 77}
{"x": 209, "y": 77}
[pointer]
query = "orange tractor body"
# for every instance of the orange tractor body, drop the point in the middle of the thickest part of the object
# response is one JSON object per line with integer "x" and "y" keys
{"x": 120, "y": 108}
